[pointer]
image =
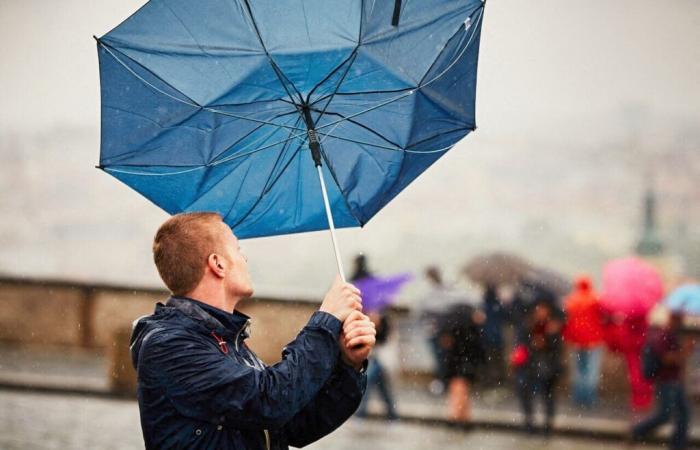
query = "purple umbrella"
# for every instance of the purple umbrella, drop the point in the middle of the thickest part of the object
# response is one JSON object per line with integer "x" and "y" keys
{"x": 380, "y": 292}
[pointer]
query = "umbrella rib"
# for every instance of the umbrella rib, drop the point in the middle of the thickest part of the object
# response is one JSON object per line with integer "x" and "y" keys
{"x": 276, "y": 68}
{"x": 327, "y": 77}
{"x": 474, "y": 27}
{"x": 351, "y": 55}
{"x": 412, "y": 91}
{"x": 435, "y": 136}
{"x": 354, "y": 141}
{"x": 269, "y": 186}
{"x": 197, "y": 167}
{"x": 340, "y": 82}
{"x": 112, "y": 50}
{"x": 179, "y": 124}
{"x": 190, "y": 102}
{"x": 214, "y": 185}
{"x": 248, "y": 134}
{"x": 340, "y": 189}
{"x": 223, "y": 66}
{"x": 364, "y": 127}
{"x": 389, "y": 91}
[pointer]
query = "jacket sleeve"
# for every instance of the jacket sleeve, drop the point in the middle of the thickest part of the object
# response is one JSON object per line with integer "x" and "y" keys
{"x": 338, "y": 399}
{"x": 204, "y": 384}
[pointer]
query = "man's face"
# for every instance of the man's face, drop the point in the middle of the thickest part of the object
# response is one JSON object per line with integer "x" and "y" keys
{"x": 238, "y": 282}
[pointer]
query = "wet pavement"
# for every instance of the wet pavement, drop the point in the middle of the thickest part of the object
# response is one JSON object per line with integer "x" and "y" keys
{"x": 48, "y": 421}
{"x": 45, "y": 370}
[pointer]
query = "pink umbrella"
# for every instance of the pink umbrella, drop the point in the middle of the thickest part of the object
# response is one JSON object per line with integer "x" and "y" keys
{"x": 631, "y": 287}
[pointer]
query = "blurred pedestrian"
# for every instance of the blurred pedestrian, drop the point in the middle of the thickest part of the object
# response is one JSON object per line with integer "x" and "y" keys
{"x": 377, "y": 376}
{"x": 537, "y": 361}
{"x": 460, "y": 340}
{"x": 492, "y": 332}
{"x": 583, "y": 331}
{"x": 664, "y": 359}
{"x": 431, "y": 309}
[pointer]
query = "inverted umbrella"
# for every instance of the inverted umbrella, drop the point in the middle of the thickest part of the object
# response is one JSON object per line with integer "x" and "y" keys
{"x": 380, "y": 292}
{"x": 238, "y": 107}
{"x": 631, "y": 287}
{"x": 685, "y": 299}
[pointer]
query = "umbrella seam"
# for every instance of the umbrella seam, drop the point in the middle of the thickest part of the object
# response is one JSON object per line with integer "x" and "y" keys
{"x": 268, "y": 186}
{"x": 193, "y": 37}
{"x": 371, "y": 130}
{"x": 340, "y": 189}
{"x": 213, "y": 160}
{"x": 277, "y": 70}
{"x": 167, "y": 129}
{"x": 478, "y": 9}
{"x": 193, "y": 104}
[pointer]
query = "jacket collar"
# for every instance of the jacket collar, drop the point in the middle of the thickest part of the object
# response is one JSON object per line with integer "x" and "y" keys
{"x": 213, "y": 319}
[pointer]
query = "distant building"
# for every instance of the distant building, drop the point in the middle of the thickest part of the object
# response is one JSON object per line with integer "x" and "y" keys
{"x": 651, "y": 248}
{"x": 650, "y": 244}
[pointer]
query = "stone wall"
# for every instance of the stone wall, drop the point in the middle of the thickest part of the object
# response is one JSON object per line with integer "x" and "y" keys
{"x": 63, "y": 314}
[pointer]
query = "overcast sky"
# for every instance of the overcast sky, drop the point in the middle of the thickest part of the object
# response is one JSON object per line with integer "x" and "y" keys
{"x": 562, "y": 83}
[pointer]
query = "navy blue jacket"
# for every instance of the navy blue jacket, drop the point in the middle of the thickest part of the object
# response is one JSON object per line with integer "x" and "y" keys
{"x": 201, "y": 387}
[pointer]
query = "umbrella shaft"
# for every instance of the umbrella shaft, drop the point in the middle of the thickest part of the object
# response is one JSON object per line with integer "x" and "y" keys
{"x": 331, "y": 224}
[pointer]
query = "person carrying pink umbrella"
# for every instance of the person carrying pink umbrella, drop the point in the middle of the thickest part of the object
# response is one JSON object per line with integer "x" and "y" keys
{"x": 631, "y": 287}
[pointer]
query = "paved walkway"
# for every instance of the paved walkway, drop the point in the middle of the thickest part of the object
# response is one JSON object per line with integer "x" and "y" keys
{"x": 85, "y": 373}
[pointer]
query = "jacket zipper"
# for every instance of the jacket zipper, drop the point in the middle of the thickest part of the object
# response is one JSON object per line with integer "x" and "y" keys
{"x": 244, "y": 327}
{"x": 236, "y": 346}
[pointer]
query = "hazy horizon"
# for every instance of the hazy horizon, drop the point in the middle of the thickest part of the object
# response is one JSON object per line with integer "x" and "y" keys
{"x": 579, "y": 108}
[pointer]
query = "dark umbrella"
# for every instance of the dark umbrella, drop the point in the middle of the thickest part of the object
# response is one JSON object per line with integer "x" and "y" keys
{"x": 496, "y": 268}
{"x": 549, "y": 280}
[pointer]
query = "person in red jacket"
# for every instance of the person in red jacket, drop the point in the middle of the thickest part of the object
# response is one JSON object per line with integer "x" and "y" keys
{"x": 583, "y": 331}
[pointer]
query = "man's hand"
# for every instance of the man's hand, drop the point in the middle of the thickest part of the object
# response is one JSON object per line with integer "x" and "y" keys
{"x": 357, "y": 339}
{"x": 341, "y": 300}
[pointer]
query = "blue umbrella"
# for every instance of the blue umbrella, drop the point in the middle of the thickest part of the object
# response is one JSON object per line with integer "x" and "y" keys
{"x": 685, "y": 299}
{"x": 246, "y": 108}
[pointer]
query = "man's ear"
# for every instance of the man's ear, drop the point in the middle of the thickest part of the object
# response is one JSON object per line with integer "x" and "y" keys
{"x": 217, "y": 265}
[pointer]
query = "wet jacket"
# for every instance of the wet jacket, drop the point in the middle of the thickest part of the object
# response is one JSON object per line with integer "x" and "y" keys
{"x": 201, "y": 387}
{"x": 584, "y": 321}
{"x": 664, "y": 341}
{"x": 543, "y": 363}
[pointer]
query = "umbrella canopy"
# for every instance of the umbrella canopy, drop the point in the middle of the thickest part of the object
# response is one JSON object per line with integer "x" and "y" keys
{"x": 456, "y": 316}
{"x": 496, "y": 268}
{"x": 685, "y": 299}
{"x": 631, "y": 287}
{"x": 232, "y": 106}
{"x": 549, "y": 280}
{"x": 380, "y": 292}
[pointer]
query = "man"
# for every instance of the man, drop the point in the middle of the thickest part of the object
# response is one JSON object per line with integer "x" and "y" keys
{"x": 201, "y": 387}
{"x": 672, "y": 352}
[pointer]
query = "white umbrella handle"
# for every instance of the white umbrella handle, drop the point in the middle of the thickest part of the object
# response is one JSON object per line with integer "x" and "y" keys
{"x": 331, "y": 224}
